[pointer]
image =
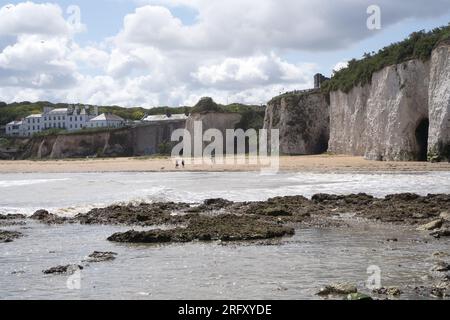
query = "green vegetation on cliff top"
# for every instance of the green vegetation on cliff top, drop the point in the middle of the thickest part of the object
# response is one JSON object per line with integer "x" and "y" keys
{"x": 418, "y": 45}
{"x": 252, "y": 115}
{"x": 19, "y": 110}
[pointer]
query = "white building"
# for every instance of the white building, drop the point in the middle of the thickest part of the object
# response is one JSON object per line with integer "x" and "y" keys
{"x": 15, "y": 129}
{"x": 163, "y": 117}
{"x": 70, "y": 119}
{"x": 106, "y": 120}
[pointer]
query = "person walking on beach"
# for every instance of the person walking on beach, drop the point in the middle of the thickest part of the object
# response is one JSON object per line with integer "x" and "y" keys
{"x": 182, "y": 163}
{"x": 177, "y": 165}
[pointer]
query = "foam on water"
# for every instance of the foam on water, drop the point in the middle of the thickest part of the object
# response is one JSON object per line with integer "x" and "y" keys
{"x": 296, "y": 269}
{"x": 19, "y": 183}
{"x": 69, "y": 194}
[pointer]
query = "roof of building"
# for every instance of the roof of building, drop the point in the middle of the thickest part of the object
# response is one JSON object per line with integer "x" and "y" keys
{"x": 35, "y": 115}
{"x": 107, "y": 117}
{"x": 70, "y": 111}
{"x": 59, "y": 110}
{"x": 14, "y": 123}
{"x": 163, "y": 117}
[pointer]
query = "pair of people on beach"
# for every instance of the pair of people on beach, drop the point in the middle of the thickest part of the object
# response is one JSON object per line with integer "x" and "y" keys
{"x": 177, "y": 164}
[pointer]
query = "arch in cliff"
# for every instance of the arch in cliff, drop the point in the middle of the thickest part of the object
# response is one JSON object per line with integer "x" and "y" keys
{"x": 421, "y": 134}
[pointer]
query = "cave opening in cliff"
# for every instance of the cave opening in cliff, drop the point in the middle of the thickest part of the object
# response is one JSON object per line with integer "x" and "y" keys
{"x": 422, "y": 139}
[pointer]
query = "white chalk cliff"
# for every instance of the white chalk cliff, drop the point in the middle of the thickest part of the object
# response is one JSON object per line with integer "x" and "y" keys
{"x": 302, "y": 119}
{"x": 402, "y": 112}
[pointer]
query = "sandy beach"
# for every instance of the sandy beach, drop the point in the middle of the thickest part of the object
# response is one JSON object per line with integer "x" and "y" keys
{"x": 319, "y": 163}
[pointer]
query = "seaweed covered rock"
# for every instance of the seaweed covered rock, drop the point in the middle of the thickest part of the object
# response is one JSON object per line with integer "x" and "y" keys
{"x": 144, "y": 214}
{"x": 45, "y": 217}
{"x": 98, "y": 256}
{"x": 67, "y": 269}
{"x": 340, "y": 288}
{"x": 9, "y": 236}
{"x": 203, "y": 228}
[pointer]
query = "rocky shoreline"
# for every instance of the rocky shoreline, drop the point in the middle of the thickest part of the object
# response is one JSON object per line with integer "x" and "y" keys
{"x": 264, "y": 221}
{"x": 220, "y": 219}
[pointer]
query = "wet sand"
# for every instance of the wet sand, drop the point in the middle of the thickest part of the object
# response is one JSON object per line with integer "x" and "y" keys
{"x": 319, "y": 163}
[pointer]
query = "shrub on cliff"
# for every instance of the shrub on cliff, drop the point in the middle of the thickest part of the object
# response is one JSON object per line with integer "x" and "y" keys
{"x": 205, "y": 105}
{"x": 418, "y": 45}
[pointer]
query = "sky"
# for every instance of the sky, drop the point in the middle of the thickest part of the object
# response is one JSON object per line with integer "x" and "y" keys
{"x": 173, "y": 52}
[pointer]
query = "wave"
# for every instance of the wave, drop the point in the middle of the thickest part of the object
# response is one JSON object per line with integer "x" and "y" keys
{"x": 20, "y": 183}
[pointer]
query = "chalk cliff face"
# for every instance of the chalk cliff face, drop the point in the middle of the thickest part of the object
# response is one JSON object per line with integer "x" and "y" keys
{"x": 439, "y": 102}
{"x": 137, "y": 141}
{"x": 302, "y": 120}
{"x": 148, "y": 139}
{"x": 403, "y": 110}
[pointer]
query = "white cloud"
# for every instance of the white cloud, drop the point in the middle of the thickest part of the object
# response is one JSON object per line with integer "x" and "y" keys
{"x": 340, "y": 65}
{"x": 242, "y": 73}
{"x": 234, "y": 50}
{"x": 31, "y": 18}
{"x": 32, "y": 62}
{"x": 249, "y": 26}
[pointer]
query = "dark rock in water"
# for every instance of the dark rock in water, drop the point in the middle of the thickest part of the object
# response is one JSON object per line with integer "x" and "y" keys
{"x": 439, "y": 254}
{"x": 441, "y": 266}
{"x": 440, "y": 292}
{"x": 402, "y": 197}
{"x": 445, "y": 215}
{"x": 276, "y": 212}
{"x": 12, "y": 220}
{"x": 215, "y": 204}
{"x": 391, "y": 291}
{"x": 441, "y": 289}
{"x": 337, "y": 289}
{"x": 409, "y": 209}
{"x": 18, "y": 272}
{"x": 360, "y": 198}
{"x": 291, "y": 208}
{"x": 211, "y": 205}
{"x": 440, "y": 233}
{"x": 203, "y": 228}
{"x": 143, "y": 214}
{"x": 359, "y": 296}
{"x": 12, "y": 216}
{"x": 67, "y": 269}
{"x": 9, "y": 223}
{"x": 9, "y": 236}
{"x": 98, "y": 256}
{"x": 45, "y": 217}
{"x": 435, "y": 224}
{"x": 323, "y": 197}
{"x": 392, "y": 240}
{"x": 153, "y": 236}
